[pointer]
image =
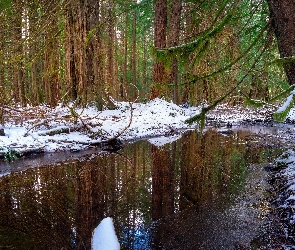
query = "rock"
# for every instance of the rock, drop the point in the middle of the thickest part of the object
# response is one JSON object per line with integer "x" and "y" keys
{"x": 112, "y": 145}
{"x": 2, "y": 133}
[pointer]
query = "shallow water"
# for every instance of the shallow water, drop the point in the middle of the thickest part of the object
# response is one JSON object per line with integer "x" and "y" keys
{"x": 203, "y": 191}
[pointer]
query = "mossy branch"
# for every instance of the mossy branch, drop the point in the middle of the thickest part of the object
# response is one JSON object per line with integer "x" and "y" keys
{"x": 202, "y": 115}
{"x": 252, "y": 102}
{"x": 283, "y": 94}
{"x": 227, "y": 67}
{"x": 201, "y": 42}
{"x": 281, "y": 114}
{"x": 282, "y": 61}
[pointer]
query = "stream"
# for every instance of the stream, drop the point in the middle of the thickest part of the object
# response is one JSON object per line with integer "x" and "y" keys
{"x": 201, "y": 191}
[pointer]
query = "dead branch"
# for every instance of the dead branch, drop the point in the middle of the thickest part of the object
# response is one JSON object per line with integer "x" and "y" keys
{"x": 130, "y": 119}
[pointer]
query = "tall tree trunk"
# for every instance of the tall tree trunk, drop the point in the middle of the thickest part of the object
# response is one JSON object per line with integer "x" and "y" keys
{"x": 72, "y": 71}
{"x": 173, "y": 40}
{"x": 2, "y": 64}
{"x": 18, "y": 70}
{"x": 2, "y": 73}
{"x": 36, "y": 66}
{"x": 282, "y": 14}
{"x": 93, "y": 53}
{"x": 190, "y": 31}
{"x": 110, "y": 46}
{"x": 160, "y": 26}
{"x": 144, "y": 67}
{"x": 125, "y": 53}
{"x": 84, "y": 52}
{"x": 51, "y": 63}
{"x": 133, "y": 63}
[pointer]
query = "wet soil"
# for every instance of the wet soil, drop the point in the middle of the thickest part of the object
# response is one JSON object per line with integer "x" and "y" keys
{"x": 235, "y": 226}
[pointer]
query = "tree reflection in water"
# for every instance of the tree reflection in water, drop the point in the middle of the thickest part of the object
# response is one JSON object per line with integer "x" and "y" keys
{"x": 58, "y": 206}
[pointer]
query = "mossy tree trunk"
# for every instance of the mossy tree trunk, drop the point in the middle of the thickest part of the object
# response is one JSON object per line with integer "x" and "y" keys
{"x": 173, "y": 40}
{"x": 282, "y": 14}
{"x": 160, "y": 27}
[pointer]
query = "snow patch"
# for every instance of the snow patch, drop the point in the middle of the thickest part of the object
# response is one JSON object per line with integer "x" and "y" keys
{"x": 287, "y": 103}
{"x": 163, "y": 140}
{"x": 104, "y": 236}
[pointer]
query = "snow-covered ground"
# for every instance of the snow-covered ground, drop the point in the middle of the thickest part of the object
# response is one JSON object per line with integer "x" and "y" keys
{"x": 65, "y": 128}
{"x": 283, "y": 183}
{"x": 56, "y": 129}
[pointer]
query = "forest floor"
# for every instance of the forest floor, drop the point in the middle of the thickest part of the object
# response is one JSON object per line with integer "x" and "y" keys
{"x": 66, "y": 129}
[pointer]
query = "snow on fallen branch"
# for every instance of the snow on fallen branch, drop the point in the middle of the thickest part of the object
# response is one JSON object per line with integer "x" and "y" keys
{"x": 283, "y": 111}
{"x": 64, "y": 127}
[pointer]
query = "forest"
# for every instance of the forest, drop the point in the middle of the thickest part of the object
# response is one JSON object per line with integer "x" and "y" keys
{"x": 98, "y": 104}
{"x": 190, "y": 51}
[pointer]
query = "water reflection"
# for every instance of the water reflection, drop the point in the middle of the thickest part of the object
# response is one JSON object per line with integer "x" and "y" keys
{"x": 58, "y": 206}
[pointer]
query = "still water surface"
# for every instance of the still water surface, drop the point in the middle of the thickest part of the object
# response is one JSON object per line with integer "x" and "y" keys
{"x": 160, "y": 197}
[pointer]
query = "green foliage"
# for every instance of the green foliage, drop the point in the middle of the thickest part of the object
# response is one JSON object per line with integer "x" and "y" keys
{"x": 199, "y": 118}
{"x": 9, "y": 154}
{"x": 90, "y": 35}
{"x": 200, "y": 44}
{"x": 4, "y": 4}
{"x": 252, "y": 102}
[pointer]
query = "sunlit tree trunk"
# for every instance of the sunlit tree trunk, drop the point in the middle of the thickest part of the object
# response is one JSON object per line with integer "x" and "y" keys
{"x": 160, "y": 27}
{"x": 84, "y": 66}
{"x": 51, "y": 63}
{"x": 18, "y": 71}
{"x": 282, "y": 14}
{"x": 94, "y": 55}
{"x": 36, "y": 69}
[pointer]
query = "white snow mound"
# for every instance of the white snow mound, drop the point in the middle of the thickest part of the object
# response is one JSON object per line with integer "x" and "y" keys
{"x": 104, "y": 236}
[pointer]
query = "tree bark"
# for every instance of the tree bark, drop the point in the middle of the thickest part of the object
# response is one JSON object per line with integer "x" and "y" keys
{"x": 134, "y": 51}
{"x": 160, "y": 26}
{"x": 110, "y": 46}
{"x": 282, "y": 15}
{"x": 18, "y": 75}
{"x": 84, "y": 52}
{"x": 173, "y": 40}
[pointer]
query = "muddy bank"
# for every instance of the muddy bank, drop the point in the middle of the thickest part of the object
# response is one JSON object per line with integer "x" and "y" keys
{"x": 279, "y": 230}
{"x": 235, "y": 226}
